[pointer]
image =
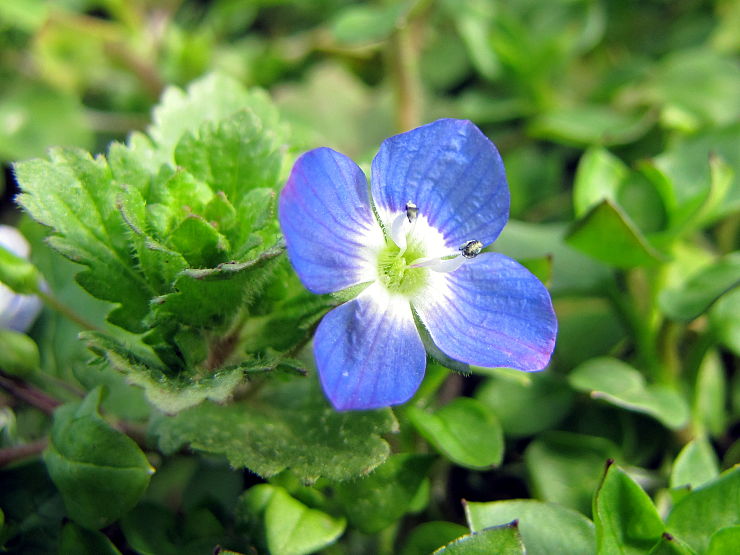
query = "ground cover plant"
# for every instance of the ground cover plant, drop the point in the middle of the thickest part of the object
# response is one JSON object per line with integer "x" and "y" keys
{"x": 369, "y": 277}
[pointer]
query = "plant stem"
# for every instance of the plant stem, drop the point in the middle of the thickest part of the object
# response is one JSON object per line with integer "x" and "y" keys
{"x": 29, "y": 394}
{"x": 17, "y": 452}
{"x": 404, "y": 61}
{"x": 67, "y": 312}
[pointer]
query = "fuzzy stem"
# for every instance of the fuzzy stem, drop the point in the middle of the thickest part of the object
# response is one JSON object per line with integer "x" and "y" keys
{"x": 10, "y": 455}
{"x": 64, "y": 310}
{"x": 29, "y": 394}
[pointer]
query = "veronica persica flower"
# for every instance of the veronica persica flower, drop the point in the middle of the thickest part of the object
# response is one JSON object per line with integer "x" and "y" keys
{"x": 17, "y": 312}
{"x": 438, "y": 196}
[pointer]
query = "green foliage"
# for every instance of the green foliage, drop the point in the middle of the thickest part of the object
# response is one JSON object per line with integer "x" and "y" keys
{"x": 465, "y": 431}
{"x": 284, "y": 426}
{"x": 287, "y": 525}
{"x": 100, "y": 472}
{"x": 544, "y": 527}
{"x": 161, "y": 265}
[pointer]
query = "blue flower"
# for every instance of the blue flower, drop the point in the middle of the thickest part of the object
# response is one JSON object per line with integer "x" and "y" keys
{"x": 438, "y": 195}
{"x": 17, "y": 312}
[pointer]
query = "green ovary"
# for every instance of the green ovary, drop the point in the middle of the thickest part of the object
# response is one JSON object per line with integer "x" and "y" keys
{"x": 394, "y": 272}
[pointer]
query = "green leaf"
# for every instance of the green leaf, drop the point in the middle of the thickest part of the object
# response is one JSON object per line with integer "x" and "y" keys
{"x": 212, "y": 98}
{"x": 693, "y": 190}
{"x": 512, "y": 397}
{"x": 210, "y": 297}
{"x": 607, "y": 234}
{"x": 668, "y": 545}
{"x": 625, "y": 518}
{"x": 621, "y": 385}
{"x": 710, "y": 396}
{"x": 285, "y": 425}
{"x": 717, "y": 503}
{"x": 367, "y": 23}
{"x": 499, "y": 540}
{"x": 19, "y": 354}
{"x": 36, "y": 117}
{"x": 376, "y": 501}
{"x": 572, "y": 272}
{"x": 565, "y": 468}
{"x": 169, "y": 394}
{"x": 85, "y": 542}
{"x": 698, "y": 293}
{"x": 290, "y": 527}
{"x": 684, "y": 80}
{"x": 234, "y": 155}
{"x": 725, "y": 321}
{"x": 544, "y": 527}
{"x": 725, "y": 540}
{"x": 590, "y": 125}
{"x": 73, "y": 194}
{"x": 100, "y": 472}
{"x": 465, "y": 430}
{"x": 695, "y": 465}
{"x": 598, "y": 177}
{"x": 426, "y": 537}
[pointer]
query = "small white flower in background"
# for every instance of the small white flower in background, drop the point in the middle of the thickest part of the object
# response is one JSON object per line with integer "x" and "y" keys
{"x": 17, "y": 312}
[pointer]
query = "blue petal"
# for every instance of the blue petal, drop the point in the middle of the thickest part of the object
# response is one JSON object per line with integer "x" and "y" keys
{"x": 329, "y": 227}
{"x": 491, "y": 312}
{"x": 453, "y": 174}
{"x": 368, "y": 352}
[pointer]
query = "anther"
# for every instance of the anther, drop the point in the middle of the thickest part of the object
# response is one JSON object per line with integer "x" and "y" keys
{"x": 471, "y": 249}
{"x": 412, "y": 211}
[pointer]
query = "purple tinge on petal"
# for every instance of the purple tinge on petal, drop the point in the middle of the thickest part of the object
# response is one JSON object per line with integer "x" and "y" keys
{"x": 492, "y": 312}
{"x": 453, "y": 174}
{"x": 329, "y": 227}
{"x": 369, "y": 353}
{"x": 17, "y": 312}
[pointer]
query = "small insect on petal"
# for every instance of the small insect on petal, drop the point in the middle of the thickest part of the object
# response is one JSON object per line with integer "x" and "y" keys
{"x": 412, "y": 211}
{"x": 471, "y": 249}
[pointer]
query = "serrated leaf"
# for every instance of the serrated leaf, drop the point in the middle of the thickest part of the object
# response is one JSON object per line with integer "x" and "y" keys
{"x": 498, "y": 540}
{"x": 695, "y": 465}
{"x": 702, "y": 290}
{"x": 284, "y": 426}
{"x": 212, "y": 98}
{"x": 465, "y": 431}
{"x": 210, "y": 297}
{"x": 619, "y": 384}
{"x": 375, "y": 501}
{"x": 717, "y": 503}
{"x": 170, "y": 394}
{"x": 625, "y": 518}
{"x": 545, "y": 528}
{"x": 233, "y": 156}
{"x": 607, "y": 234}
{"x": 73, "y": 194}
{"x": 100, "y": 472}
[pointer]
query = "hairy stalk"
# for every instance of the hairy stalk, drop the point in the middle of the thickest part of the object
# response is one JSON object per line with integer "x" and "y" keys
{"x": 53, "y": 303}
{"x": 404, "y": 62}
{"x": 29, "y": 394}
{"x": 9, "y": 455}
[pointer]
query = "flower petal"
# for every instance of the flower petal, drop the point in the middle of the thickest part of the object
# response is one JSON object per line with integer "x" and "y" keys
{"x": 330, "y": 231}
{"x": 453, "y": 174}
{"x": 368, "y": 352}
{"x": 490, "y": 312}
